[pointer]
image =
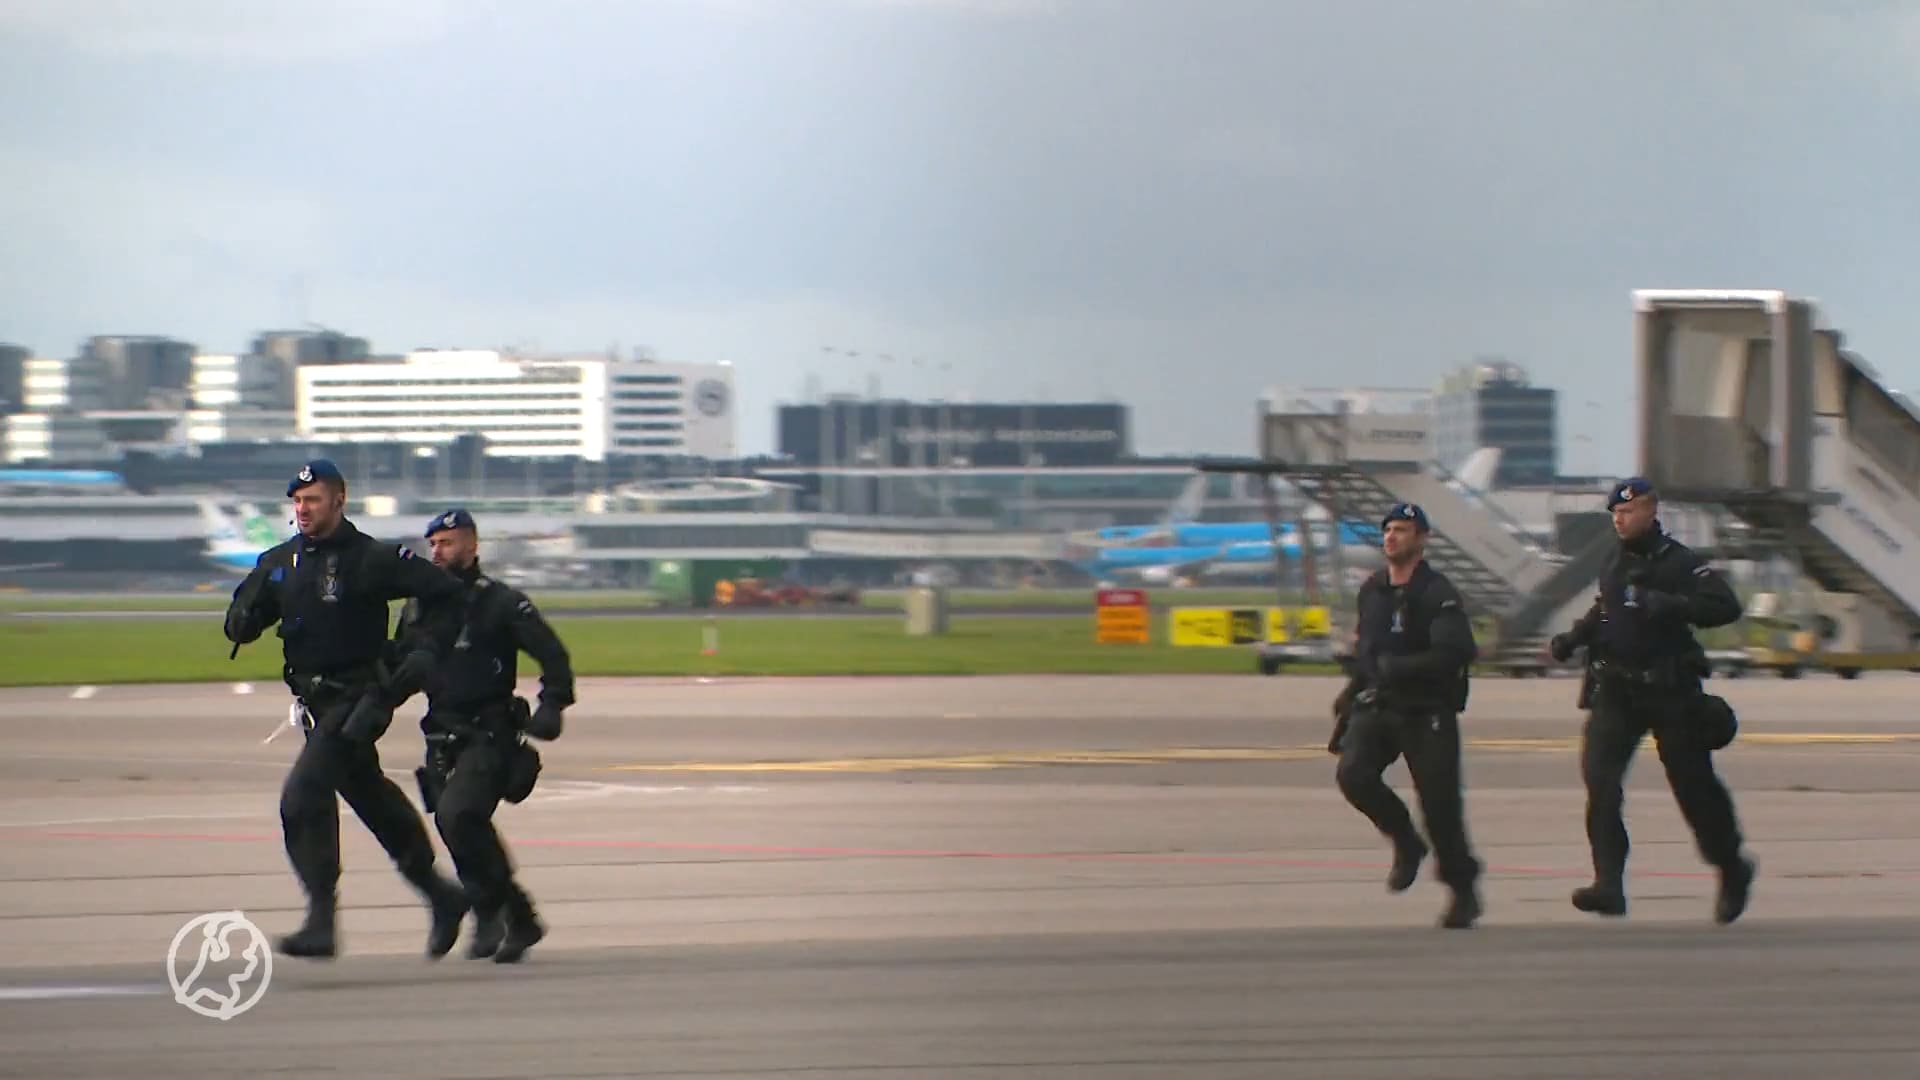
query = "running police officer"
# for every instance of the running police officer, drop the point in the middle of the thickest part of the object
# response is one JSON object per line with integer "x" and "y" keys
{"x": 1413, "y": 649}
{"x": 475, "y": 754}
{"x": 328, "y": 589}
{"x": 1643, "y": 674}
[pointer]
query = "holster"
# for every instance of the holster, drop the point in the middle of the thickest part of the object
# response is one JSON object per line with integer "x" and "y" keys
{"x": 432, "y": 782}
{"x": 498, "y": 724}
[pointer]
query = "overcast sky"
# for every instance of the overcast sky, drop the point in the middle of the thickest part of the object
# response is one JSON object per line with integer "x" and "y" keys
{"x": 1175, "y": 204}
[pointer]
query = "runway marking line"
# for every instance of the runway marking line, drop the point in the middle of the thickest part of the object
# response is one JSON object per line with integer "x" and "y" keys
{"x": 1013, "y": 759}
{"x": 835, "y": 852}
{"x": 832, "y": 852}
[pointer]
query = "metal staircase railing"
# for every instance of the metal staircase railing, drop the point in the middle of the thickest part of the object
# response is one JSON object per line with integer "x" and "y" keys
{"x": 1820, "y": 559}
{"x": 1349, "y": 492}
{"x": 1522, "y": 630}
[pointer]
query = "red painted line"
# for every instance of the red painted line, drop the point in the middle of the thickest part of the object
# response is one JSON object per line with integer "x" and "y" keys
{"x": 826, "y": 852}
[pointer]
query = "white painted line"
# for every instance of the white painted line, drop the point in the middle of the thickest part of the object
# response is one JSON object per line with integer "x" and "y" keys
{"x": 243, "y": 688}
{"x": 82, "y": 693}
{"x": 566, "y": 791}
{"x": 127, "y": 817}
{"x": 50, "y": 993}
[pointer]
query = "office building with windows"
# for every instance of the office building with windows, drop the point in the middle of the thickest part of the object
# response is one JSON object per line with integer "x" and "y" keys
{"x": 1495, "y": 404}
{"x": 587, "y": 408}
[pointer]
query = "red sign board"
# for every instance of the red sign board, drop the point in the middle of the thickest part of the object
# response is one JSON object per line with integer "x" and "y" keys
{"x": 1121, "y": 598}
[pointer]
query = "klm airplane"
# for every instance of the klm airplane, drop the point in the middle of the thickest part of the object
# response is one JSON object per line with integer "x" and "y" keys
{"x": 1181, "y": 547}
{"x": 29, "y": 481}
{"x": 1222, "y": 551}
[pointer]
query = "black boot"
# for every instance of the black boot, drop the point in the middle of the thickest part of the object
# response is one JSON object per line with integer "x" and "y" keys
{"x": 1736, "y": 884}
{"x": 523, "y": 930}
{"x": 1464, "y": 911}
{"x": 1601, "y": 898}
{"x": 1407, "y": 853}
{"x": 447, "y": 902}
{"x": 315, "y": 939}
{"x": 489, "y": 927}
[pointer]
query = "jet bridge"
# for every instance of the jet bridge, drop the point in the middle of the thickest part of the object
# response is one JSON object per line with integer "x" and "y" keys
{"x": 1745, "y": 402}
{"x": 1359, "y": 464}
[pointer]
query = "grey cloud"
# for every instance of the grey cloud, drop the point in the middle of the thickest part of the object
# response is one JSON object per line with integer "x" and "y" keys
{"x": 1258, "y": 189}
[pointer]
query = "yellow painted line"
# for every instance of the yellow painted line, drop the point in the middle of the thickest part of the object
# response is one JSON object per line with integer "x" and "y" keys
{"x": 1179, "y": 754}
{"x": 1010, "y": 759}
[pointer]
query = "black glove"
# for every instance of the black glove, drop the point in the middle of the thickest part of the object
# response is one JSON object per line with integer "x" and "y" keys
{"x": 1662, "y": 605}
{"x": 242, "y": 627}
{"x": 1561, "y": 647}
{"x": 369, "y": 719}
{"x": 544, "y": 724}
{"x": 1387, "y": 667}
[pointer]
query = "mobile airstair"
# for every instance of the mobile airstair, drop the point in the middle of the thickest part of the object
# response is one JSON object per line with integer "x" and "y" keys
{"x": 1747, "y": 403}
{"x": 1359, "y": 464}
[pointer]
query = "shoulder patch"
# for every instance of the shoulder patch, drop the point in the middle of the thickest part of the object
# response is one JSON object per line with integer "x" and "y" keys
{"x": 1449, "y": 603}
{"x": 405, "y": 551}
{"x": 525, "y": 606}
{"x": 1703, "y": 570}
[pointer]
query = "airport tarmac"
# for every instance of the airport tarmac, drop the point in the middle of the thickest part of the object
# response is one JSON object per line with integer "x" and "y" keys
{"x": 960, "y": 877}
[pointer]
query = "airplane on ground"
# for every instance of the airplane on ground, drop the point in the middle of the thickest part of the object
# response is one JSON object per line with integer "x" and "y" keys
{"x": 21, "y": 568}
{"x": 58, "y": 481}
{"x": 232, "y": 547}
{"x": 1180, "y": 548}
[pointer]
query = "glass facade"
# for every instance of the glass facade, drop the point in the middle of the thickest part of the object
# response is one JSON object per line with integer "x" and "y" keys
{"x": 1521, "y": 421}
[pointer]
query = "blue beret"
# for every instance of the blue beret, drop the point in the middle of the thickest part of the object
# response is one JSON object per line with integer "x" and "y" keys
{"x": 456, "y": 518}
{"x": 1628, "y": 490}
{"x": 1407, "y": 512}
{"x": 313, "y": 472}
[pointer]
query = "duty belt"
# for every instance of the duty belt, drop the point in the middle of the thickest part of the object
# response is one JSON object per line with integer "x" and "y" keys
{"x": 1659, "y": 674}
{"x": 1374, "y": 700}
{"x": 313, "y": 688}
{"x": 493, "y": 720}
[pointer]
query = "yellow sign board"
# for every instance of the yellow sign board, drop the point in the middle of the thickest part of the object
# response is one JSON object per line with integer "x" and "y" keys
{"x": 1247, "y": 626}
{"x": 1285, "y": 624}
{"x": 1214, "y": 626}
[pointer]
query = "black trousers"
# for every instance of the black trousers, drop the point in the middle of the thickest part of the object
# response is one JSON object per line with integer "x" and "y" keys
{"x": 464, "y": 814}
{"x": 331, "y": 764}
{"x": 1375, "y": 738}
{"x": 1620, "y": 718}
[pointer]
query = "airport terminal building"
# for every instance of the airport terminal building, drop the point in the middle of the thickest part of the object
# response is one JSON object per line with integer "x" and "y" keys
{"x": 585, "y": 408}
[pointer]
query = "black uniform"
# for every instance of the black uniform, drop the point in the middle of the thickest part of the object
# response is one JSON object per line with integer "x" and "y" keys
{"x": 1408, "y": 686}
{"x": 475, "y": 754}
{"x": 1643, "y": 674}
{"x": 329, "y": 598}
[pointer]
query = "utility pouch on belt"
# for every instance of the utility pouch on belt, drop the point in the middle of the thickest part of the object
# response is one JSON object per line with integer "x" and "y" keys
{"x": 523, "y": 769}
{"x": 1714, "y": 721}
